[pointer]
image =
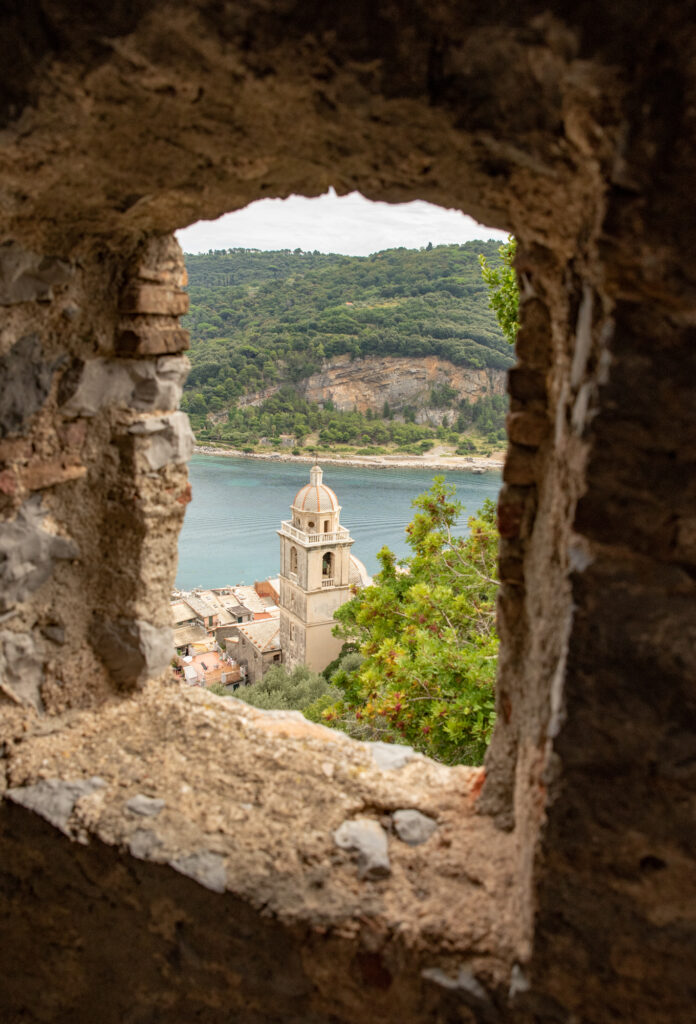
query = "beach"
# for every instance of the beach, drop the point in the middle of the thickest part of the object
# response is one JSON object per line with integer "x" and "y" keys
{"x": 470, "y": 463}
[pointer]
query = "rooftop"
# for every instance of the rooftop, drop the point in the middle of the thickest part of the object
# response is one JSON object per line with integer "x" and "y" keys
{"x": 315, "y": 496}
{"x": 264, "y": 634}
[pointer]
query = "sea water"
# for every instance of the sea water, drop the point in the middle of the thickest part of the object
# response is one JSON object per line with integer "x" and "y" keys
{"x": 229, "y": 531}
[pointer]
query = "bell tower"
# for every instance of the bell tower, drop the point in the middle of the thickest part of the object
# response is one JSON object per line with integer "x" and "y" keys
{"x": 315, "y": 575}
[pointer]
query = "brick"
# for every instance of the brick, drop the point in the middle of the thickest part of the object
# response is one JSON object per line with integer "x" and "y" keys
{"x": 511, "y": 570}
{"x": 521, "y": 466}
{"x": 175, "y": 276}
{"x": 154, "y": 298}
{"x": 510, "y": 517}
{"x": 527, "y": 428}
{"x": 525, "y": 384}
{"x": 149, "y": 340}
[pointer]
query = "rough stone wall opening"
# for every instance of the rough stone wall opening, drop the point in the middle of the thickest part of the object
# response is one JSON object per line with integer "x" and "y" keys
{"x": 116, "y": 133}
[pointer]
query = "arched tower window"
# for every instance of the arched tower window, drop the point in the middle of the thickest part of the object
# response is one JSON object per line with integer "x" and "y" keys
{"x": 293, "y": 560}
{"x": 327, "y": 564}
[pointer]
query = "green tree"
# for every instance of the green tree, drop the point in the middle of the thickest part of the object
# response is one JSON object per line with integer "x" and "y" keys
{"x": 502, "y": 286}
{"x": 426, "y": 632}
{"x": 294, "y": 691}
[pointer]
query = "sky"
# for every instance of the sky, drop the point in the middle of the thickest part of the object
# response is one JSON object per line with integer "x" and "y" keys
{"x": 348, "y": 224}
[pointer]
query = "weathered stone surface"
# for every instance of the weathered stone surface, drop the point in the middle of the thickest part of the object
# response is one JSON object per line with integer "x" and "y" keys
{"x": 26, "y": 381}
{"x": 21, "y": 668}
{"x": 169, "y": 439}
{"x": 273, "y": 810}
{"x": 38, "y": 475}
{"x": 412, "y": 826}
{"x": 147, "y": 806}
{"x": 26, "y": 276}
{"x": 145, "y": 385}
{"x": 133, "y": 651}
{"x": 55, "y": 799}
{"x": 28, "y": 552}
{"x": 368, "y": 839}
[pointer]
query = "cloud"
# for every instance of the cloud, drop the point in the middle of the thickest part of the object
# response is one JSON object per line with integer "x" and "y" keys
{"x": 347, "y": 224}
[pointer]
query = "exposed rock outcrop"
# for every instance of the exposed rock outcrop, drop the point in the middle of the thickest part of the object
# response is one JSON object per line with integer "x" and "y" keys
{"x": 400, "y": 381}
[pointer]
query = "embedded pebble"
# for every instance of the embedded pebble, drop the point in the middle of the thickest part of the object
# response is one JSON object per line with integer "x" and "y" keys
{"x": 390, "y": 756}
{"x": 146, "y": 805}
{"x": 368, "y": 839}
{"x": 205, "y": 867}
{"x": 413, "y": 827}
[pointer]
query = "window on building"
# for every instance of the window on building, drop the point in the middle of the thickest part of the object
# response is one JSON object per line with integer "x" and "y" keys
{"x": 326, "y": 526}
{"x": 327, "y": 564}
{"x": 293, "y": 560}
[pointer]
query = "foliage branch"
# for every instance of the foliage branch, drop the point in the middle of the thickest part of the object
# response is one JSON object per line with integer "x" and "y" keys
{"x": 502, "y": 285}
{"x": 426, "y": 633}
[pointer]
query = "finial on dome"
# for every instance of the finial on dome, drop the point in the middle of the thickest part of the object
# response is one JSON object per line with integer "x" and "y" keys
{"x": 315, "y": 476}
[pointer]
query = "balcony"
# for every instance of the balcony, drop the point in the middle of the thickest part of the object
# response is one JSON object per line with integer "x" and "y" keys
{"x": 341, "y": 534}
{"x": 328, "y": 582}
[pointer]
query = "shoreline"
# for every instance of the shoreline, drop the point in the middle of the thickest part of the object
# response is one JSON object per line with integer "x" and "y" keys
{"x": 465, "y": 463}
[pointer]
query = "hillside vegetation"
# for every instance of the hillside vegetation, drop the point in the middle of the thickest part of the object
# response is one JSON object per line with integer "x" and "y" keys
{"x": 272, "y": 319}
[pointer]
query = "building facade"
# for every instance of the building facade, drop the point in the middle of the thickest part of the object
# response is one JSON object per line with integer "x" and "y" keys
{"x": 317, "y": 572}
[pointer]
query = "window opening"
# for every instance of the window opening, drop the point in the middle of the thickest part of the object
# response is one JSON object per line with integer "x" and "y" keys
{"x": 458, "y": 416}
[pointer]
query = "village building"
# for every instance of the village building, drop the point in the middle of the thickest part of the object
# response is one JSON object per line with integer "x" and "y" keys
{"x": 318, "y": 574}
{"x": 199, "y": 613}
{"x": 256, "y": 647}
{"x": 208, "y": 668}
{"x": 288, "y": 619}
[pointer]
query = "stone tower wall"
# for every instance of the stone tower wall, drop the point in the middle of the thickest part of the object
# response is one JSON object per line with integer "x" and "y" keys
{"x": 553, "y": 888}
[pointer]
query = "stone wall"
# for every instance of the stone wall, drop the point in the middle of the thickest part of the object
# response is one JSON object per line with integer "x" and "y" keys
{"x": 562, "y": 899}
{"x": 92, "y": 448}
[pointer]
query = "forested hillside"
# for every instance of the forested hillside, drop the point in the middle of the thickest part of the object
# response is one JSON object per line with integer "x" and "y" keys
{"x": 267, "y": 319}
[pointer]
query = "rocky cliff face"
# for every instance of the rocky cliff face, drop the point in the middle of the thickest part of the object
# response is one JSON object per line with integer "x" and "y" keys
{"x": 401, "y": 381}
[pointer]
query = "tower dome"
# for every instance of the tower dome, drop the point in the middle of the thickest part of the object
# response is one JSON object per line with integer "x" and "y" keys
{"x": 315, "y": 496}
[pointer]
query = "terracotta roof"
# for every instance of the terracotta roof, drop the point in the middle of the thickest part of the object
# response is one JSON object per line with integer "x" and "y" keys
{"x": 315, "y": 496}
{"x": 189, "y": 635}
{"x": 319, "y": 498}
{"x": 183, "y": 612}
{"x": 264, "y": 634}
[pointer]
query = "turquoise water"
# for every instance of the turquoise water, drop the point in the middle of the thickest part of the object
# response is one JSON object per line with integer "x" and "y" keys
{"x": 229, "y": 531}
